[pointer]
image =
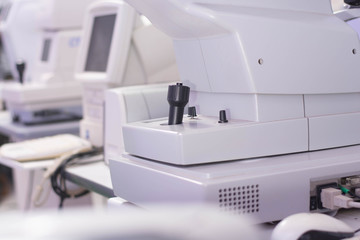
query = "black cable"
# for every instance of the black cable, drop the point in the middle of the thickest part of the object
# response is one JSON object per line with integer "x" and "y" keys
{"x": 351, "y": 193}
{"x": 355, "y": 195}
{"x": 357, "y": 230}
{"x": 58, "y": 181}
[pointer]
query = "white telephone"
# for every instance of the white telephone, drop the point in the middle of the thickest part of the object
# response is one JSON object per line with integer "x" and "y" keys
{"x": 44, "y": 148}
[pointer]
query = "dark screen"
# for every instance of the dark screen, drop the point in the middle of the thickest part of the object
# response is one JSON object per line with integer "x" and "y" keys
{"x": 5, "y": 12}
{"x": 100, "y": 43}
{"x": 46, "y": 50}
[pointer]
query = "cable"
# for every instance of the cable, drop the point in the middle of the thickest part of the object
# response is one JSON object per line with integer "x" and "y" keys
{"x": 58, "y": 181}
{"x": 332, "y": 199}
{"x": 39, "y": 190}
{"x": 51, "y": 169}
{"x": 58, "y": 177}
{"x": 347, "y": 191}
{"x": 354, "y": 204}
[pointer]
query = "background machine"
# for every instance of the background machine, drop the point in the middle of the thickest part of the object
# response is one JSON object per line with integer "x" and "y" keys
{"x": 120, "y": 48}
{"x": 17, "y": 22}
{"x": 46, "y": 91}
{"x": 46, "y": 99}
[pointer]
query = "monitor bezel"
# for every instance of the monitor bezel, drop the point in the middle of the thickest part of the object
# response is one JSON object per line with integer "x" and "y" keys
{"x": 120, "y": 43}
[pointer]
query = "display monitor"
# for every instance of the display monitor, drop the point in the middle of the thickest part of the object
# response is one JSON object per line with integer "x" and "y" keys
{"x": 5, "y": 9}
{"x": 46, "y": 50}
{"x": 120, "y": 48}
{"x": 103, "y": 53}
{"x": 100, "y": 43}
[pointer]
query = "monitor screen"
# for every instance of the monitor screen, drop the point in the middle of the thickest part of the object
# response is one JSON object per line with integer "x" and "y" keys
{"x": 5, "y": 11}
{"x": 46, "y": 50}
{"x": 100, "y": 43}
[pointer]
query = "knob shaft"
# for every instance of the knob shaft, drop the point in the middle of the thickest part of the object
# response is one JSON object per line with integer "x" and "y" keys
{"x": 178, "y": 97}
{"x": 20, "y": 67}
{"x": 222, "y": 117}
{"x": 192, "y": 112}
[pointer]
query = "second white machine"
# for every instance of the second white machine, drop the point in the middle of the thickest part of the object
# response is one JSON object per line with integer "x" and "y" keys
{"x": 46, "y": 91}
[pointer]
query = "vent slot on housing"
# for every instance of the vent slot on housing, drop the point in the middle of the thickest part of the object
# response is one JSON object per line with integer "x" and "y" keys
{"x": 240, "y": 199}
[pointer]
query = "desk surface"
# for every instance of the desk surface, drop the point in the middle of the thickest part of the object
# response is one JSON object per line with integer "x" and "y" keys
{"x": 92, "y": 176}
{"x": 30, "y": 165}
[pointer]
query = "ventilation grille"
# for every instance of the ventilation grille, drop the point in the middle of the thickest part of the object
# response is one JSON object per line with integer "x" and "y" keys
{"x": 240, "y": 199}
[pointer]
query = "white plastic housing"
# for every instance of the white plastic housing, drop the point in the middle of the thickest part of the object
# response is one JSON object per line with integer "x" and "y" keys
{"x": 32, "y": 95}
{"x": 195, "y": 23}
{"x": 262, "y": 188}
{"x": 180, "y": 144}
{"x": 62, "y": 14}
{"x": 266, "y": 64}
{"x": 57, "y": 58}
{"x": 117, "y": 52}
{"x": 130, "y": 104}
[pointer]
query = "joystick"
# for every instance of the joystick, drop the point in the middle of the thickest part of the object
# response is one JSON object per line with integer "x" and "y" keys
{"x": 20, "y": 67}
{"x": 352, "y": 2}
{"x": 178, "y": 97}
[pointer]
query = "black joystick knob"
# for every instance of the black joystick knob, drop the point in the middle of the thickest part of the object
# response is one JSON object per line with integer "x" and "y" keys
{"x": 20, "y": 67}
{"x": 192, "y": 112}
{"x": 352, "y": 2}
{"x": 222, "y": 117}
{"x": 178, "y": 97}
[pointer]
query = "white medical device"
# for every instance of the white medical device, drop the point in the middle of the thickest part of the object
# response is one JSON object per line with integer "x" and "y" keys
{"x": 5, "y": 73}
{"x": 286, "y": 74}
{"x": 20, "y": 34}
{"x": 282, "y": 92}
{"x": 119, "y": 48}
{"x": 49, "y": 93}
